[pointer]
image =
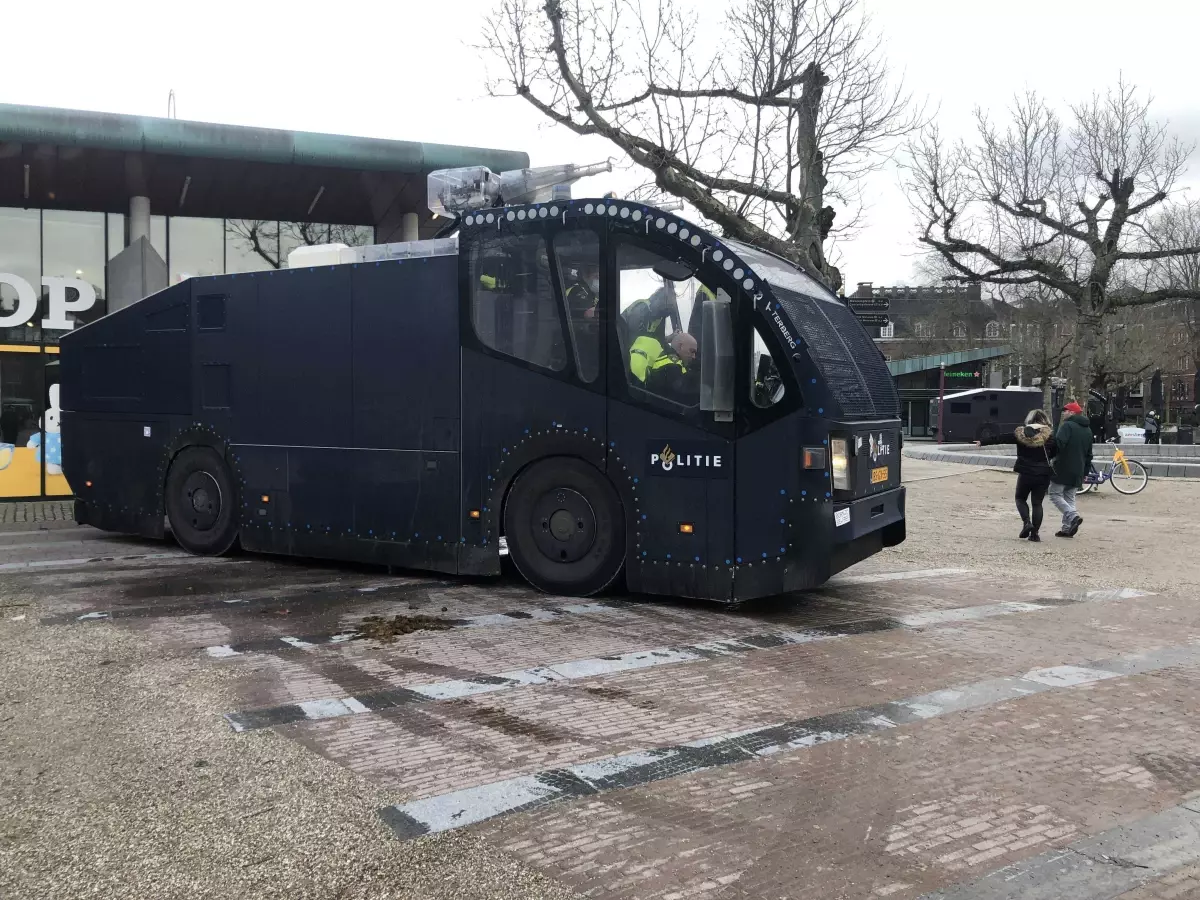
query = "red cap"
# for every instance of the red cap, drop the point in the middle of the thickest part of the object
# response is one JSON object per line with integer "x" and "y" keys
{"x": 1073, "y": 408}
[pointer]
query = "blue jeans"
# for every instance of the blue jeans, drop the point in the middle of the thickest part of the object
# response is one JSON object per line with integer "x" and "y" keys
{"x": 1063, "y": 498}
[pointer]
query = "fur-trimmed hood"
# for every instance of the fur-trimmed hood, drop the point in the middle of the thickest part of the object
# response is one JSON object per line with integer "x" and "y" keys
{"x": 1033, "y": 435}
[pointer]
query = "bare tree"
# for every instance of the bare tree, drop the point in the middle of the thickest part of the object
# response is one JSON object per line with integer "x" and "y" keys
{"x": 1041, "y": 334}
{"x": 1176, "y": 227}
{"x": 1066, "y": 207}
{"x": 1128, "y": 350}
{"x": 266, "y": 238}
{"x": 755, "y": 121}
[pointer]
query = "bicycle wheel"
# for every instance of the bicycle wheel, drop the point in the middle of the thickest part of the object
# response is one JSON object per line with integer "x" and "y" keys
{"x": 1088, "y": 487}
{"x": 1134, "y": 481}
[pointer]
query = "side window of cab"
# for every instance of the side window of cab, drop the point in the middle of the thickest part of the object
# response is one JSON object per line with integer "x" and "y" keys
{"x": 766, "y": 383}
{"x": 660, "y": 328}
{"x": 514, "y": 309}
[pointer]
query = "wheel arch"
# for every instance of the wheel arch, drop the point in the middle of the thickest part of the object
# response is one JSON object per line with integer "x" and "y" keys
{"x": 546, "y": 474}
{"x": 197, "y": 435}
{"x": 550, "y": 457}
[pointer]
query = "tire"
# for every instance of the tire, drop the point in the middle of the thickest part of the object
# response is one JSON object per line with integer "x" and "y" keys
{"x": 1134, "y": 482}
{"x": 201, "y": 502}
{"x": 1087, "y": 488}
{"x": 565, "y": 528}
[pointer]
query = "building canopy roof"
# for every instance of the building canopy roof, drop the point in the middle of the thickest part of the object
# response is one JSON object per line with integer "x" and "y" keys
{"x": 96, "y": 161}
{"x": 923, "y": 363}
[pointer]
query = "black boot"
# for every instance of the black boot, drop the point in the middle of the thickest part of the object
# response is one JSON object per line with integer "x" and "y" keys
{"x": 1075, "y": 526}
{"x": 1025, "y": 531}
{"x": 1033, "y": 536}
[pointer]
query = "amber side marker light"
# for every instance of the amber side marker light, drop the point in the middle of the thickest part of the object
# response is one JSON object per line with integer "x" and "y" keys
{"x": 266, "y": 498}
{"x": 474, "y": 514}
{"x": 687, "y": 528}
{"x": 814, "y": 457}
{"x": 87, "y": 484}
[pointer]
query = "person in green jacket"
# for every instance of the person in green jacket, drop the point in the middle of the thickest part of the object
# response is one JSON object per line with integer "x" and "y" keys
{"x": 1074, "y": 458}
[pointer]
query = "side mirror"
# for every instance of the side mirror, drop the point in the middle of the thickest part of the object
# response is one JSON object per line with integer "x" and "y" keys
{"x": 676, "y": 270}
{"x": 717, "y": 359}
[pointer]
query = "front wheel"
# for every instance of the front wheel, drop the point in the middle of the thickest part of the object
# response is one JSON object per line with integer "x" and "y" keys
{"x": 1132, "y": 483}
{"x": 1088, "y": 487}
{"x": 565, "y": 528}
{"x": 201, "y": 502}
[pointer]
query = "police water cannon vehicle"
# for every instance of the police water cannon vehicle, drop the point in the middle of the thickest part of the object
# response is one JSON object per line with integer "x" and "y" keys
{"x": 422, "y": 404}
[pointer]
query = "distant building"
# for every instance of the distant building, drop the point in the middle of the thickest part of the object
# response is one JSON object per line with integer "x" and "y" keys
{"x": 950, "y": 324}
{"x": 931, "y": 327}
{"x": 938, "y": 319}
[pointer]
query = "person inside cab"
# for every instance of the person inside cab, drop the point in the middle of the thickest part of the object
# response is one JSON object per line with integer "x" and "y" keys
{"x": 583, "y": 295}
{"x": 669, "y": 369}
{"x": 649, "y": 316}
{"x": 675, "y": 374}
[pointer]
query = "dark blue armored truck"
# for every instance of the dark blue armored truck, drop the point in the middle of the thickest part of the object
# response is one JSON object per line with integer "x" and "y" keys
{"x": 426, "y": 405}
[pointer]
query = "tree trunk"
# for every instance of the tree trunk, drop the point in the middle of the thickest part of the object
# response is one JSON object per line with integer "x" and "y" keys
{"x": 1087, "y": 333}
{"x": 811, "y": 228}
{"x": 1045, "y": 378}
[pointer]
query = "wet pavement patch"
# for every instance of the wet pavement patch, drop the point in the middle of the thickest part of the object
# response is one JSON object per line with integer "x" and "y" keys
{"x": 619, "y": 695}
{"x": 282, "y": 601}
{"x": 709, "y": 650}
{"x": 507, "y": 723}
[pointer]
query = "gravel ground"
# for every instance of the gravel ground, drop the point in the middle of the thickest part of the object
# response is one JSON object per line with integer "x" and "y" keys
{"x": 121, "y": 780}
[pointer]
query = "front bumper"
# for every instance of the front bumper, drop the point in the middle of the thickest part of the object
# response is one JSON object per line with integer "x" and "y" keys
{"x": 871, "y": 523}
{"x": 867, "y": 515}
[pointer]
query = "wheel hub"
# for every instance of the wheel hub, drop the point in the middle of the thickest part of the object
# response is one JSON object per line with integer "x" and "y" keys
{"x": 564, "y": 525}
{"x": 202, "y": 496}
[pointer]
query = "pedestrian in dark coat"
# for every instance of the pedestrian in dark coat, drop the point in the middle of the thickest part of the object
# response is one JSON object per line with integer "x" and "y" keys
{"x": 1035, "y": 449}
{"x": 1151, "y": 427}
{"x": 1074, "y": 459}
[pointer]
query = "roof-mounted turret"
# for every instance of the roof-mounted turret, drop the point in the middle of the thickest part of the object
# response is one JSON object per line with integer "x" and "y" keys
{"x": 453, "y": 192}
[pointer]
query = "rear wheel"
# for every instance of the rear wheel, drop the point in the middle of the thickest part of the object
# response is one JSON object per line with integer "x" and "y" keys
{"x": 199, "y": 498}
{"x": 565, "y": 527}
{"x": 1134, "y": 481}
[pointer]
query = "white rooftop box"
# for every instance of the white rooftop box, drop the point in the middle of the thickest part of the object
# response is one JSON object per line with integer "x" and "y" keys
{"x": 321, "y": 255}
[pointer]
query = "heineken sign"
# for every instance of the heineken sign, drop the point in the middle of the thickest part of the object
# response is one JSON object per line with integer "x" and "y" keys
{"x": 57, "y": 304}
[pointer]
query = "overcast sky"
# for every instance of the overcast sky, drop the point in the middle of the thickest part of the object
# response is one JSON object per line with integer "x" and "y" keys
{"x": 407, "y": 69}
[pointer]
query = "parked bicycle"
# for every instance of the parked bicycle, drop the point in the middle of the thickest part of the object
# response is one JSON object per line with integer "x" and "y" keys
{"x": 1127, "y": 475}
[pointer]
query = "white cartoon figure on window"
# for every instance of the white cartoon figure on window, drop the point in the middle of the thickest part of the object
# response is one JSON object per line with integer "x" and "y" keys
{"x": 53, "y": 437}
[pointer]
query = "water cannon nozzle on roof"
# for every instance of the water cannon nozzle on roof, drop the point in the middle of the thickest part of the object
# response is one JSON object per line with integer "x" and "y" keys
{"x": 453, "y": 192}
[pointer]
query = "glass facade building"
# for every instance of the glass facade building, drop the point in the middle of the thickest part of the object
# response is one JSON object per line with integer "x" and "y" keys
{"x": 53, "y": 278}
{"x": 210, "y": 198}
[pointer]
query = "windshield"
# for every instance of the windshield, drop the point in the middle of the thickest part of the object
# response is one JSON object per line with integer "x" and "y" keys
{"x": 779, "y": 273}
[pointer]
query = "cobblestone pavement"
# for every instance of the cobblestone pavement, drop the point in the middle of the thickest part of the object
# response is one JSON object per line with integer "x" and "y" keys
{"x": 908, "y": 730}
{"x": 36, "y": 511}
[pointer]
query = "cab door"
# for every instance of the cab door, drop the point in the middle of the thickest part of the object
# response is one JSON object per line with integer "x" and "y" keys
{"x": 674, "y": 461}
{"x": 532, "y": 367}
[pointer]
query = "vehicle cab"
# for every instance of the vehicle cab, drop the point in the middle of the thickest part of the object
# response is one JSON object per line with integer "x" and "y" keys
{"x": 745, "y": 421}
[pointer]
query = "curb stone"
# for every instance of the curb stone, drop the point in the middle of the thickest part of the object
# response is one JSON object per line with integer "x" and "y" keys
{"x": 1156, "y": 469}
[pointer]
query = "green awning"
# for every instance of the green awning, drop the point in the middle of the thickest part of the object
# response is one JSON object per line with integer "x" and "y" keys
{"x": 924, "y": 363}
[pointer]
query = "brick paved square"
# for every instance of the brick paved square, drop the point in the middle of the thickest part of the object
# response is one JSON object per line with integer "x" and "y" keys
{"x": 883, "y": 736}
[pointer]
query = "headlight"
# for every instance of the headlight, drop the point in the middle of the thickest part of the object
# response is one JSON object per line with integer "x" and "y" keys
{"x": 839, "y": 461}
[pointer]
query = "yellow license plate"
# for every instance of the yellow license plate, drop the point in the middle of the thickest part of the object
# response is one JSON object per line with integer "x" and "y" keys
{"x": 880, "y": 475}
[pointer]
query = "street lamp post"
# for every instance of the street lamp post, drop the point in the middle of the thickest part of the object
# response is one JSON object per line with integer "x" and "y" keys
{"x": 941, "y": 400}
